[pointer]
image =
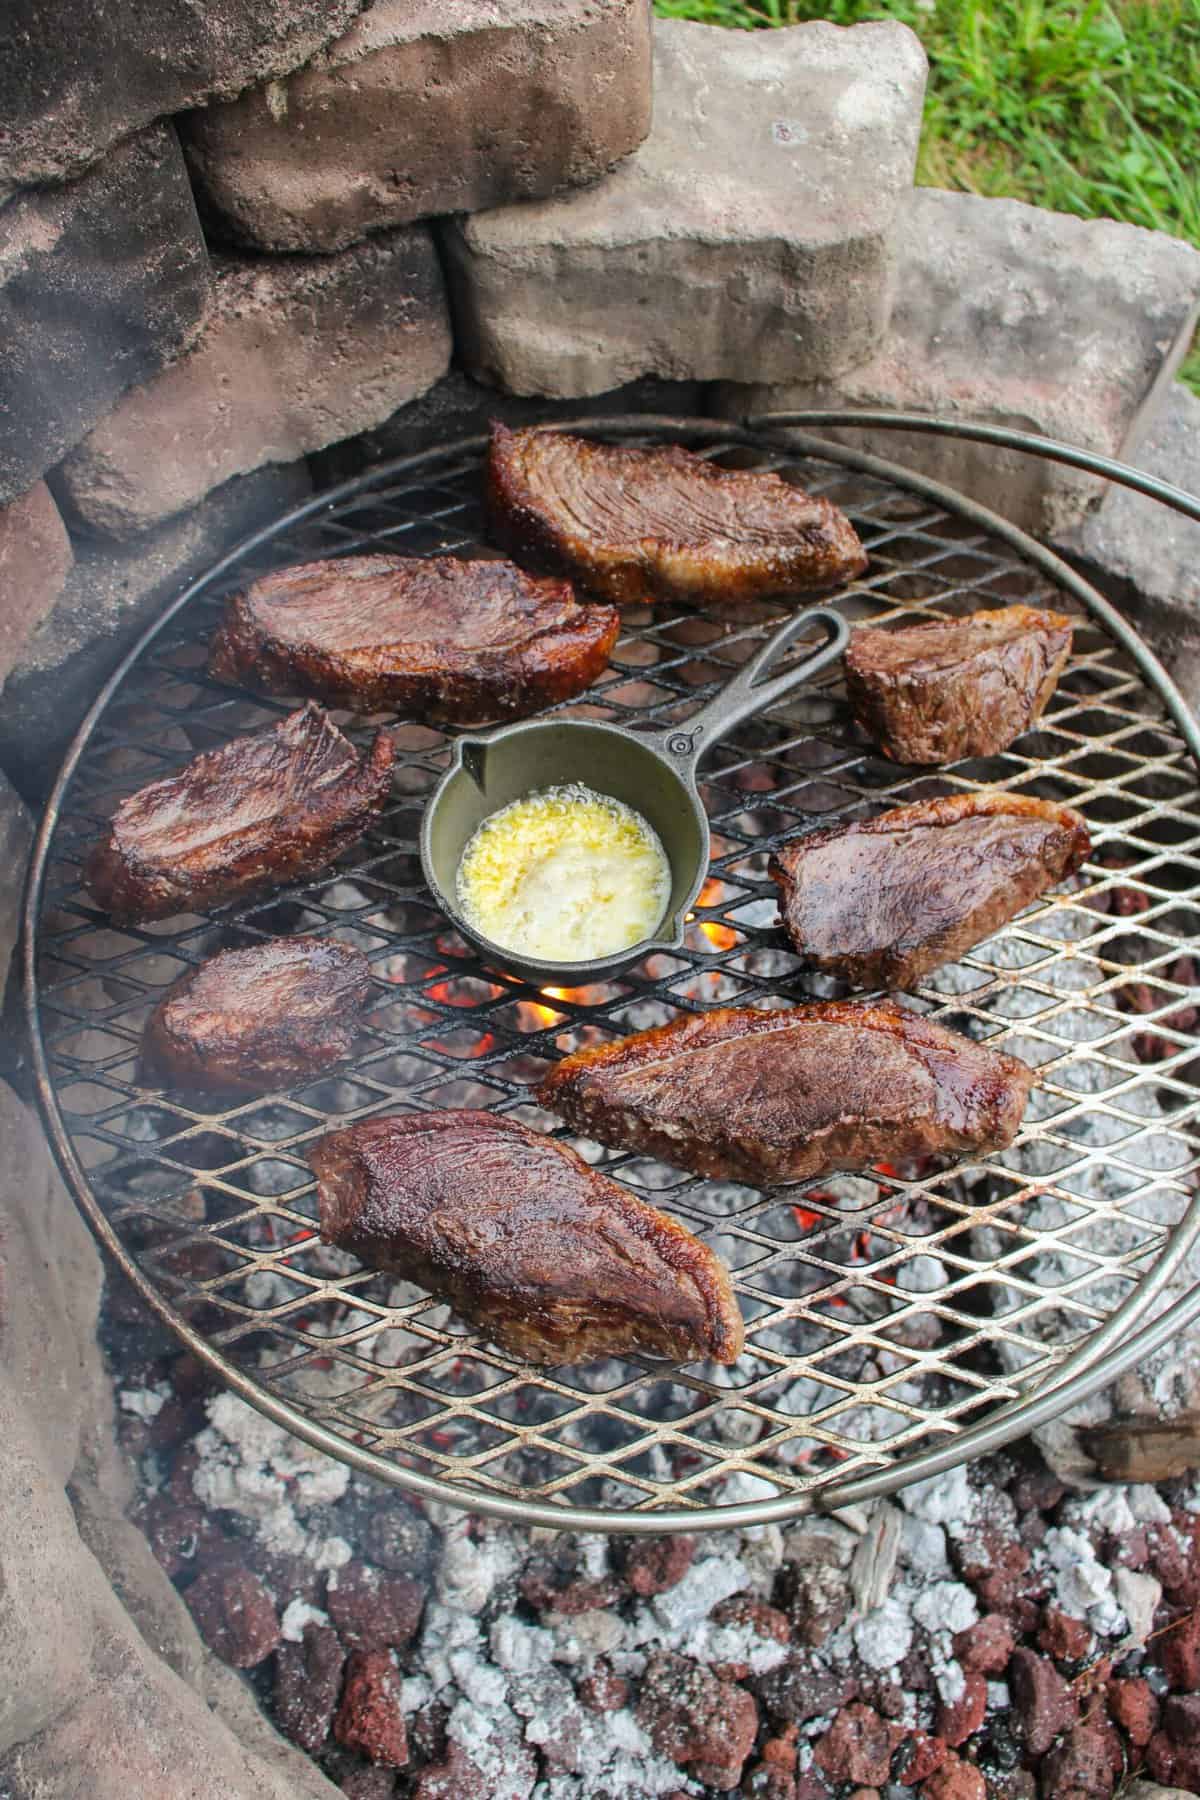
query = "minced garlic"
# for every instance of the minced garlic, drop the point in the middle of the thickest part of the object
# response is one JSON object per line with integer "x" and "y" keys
{"x": 564, "y": 875}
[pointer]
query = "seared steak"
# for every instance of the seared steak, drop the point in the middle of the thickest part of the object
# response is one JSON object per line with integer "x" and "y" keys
{"x": 882, "y": 901}
{"x": 952, "y": 688}
{"x": 552, "y": 1259}
{"x": 439, "y": 639}
{"x": 264, "y": 1017}
{"x": 772, "y": 1097}
{"x": 637, "y": 524}
{"x": 262, "y": 810}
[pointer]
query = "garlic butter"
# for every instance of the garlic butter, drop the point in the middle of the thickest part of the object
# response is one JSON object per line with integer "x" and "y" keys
{"x": 564, "y": 875}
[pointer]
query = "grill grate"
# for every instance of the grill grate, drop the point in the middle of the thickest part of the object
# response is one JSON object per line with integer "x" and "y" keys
{"x": 887, "y": 1313}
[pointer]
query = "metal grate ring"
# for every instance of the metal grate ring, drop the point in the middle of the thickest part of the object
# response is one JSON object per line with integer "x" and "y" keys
{"x": 888, "y": 1314}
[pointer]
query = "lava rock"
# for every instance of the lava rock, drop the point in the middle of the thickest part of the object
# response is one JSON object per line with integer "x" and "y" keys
{"x": 1007, "y": 314}
{"x": 858, "y": 1746}
{"x": 1181, "y": 1718}
{"x": 917, "y": 1758}
{"x": 584, "y": 1596}
{"x": 652, "y": 1565}
{"x": 1134, "y": 1705}
{"x": 234, "y": 1615}
{"x": 1042, "y": 1701}
{"x": 817, "y": 1599}
{"x": 308, "y": 1679}
{"x": 1179, "y": 1653}
{"x": 750, "y": 234}
{"x": 101, "y": 283}
{"x": 1175, "y": 1765}
{"x": 456, "y": 1779}
{"x": 294, "y": 354}
{"x": 957, "y": 1720}
{"x": 181, "y": 1537}
{"x": 986, "y": 1645}
{"x": 697, "y": 1720}
{"x": 954, "y": 1779}
{"x": 80, "y": 76}
{"x": 767, "y": 1782}
{"x": 370, "y": 1719}
{"x": 1062, "y": 1637}
{"x": 109, "y": 598}
{"x": 397, "y": 1538}
{"x": 1085, "y": 1765}
{"x": 369, "y": 1783}
{"x": 797, "y": 1691}
{"x": 373, "y": 1610}
{"x": 479, "y": 106}
{"x": 602, "y": 1689}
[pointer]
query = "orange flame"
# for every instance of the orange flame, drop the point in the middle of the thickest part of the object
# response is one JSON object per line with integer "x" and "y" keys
{"x": 721, "y": 937}
{"x": 546, "y": 1015}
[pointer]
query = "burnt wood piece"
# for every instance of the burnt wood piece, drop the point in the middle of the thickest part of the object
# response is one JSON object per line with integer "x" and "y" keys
{"x": 952, "y": 688}
{"x": 663, "y": 523}
{"x": 1144, "y": 1449}
{"x": 259, "y": 1018}
{"x": 442, "y": 639}
{"x": 263, "y": 810}
{"x": 882, "y": 901}
{"x": 549, "y": 1257}
{"x": 774, "y": 1097}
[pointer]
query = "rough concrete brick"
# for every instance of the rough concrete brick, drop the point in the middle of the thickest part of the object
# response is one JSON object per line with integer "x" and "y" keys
{"x": 423, "y": 109}
{"x": 35, "y": 560}
{"x": 750, "y": 238}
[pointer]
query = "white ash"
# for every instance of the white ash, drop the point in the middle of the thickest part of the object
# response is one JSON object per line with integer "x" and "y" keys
{"x": 145, "y": 1402}
{"x": 297, "y": 1614}
{"x": 1138, "y": 1596}
{"x": 251, "y": 1466}
{"x": 947, "y": 1499}
{"x": 884, "y": 1637}
{"x": 947, "y": 1606}
{"x": 1084, "y": 1586}
{"x": 692, "y": 1599}
{"x": 922, "y": 1275}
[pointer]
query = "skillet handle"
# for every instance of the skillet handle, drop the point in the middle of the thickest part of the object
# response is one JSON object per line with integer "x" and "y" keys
{"x": 754, "y": 687}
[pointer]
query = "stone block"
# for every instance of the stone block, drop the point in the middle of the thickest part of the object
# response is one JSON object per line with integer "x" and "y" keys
{"x": 16, "y": 838}
{"x": 458, "y": 407}
{"x": 1145, "y": 556}
{"x": 295, "y": 353}
{"x": 35, "y": 560}
{"x": 110, "y": 596}
{"x": 423, "y": 108}
{"x": 1006, "y": 314}
{"x": 749, "y": 238}
{"x": 101, "y": 283}
{"x": 78, "y": 75}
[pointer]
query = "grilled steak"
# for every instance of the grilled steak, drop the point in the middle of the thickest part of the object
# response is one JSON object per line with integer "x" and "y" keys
{"x": 262, "y": 810}
{"x": 772, "y": 1097}
{"x": 635, "y": 524}
{"x": 552, "y": 1259}
{"x": 952, "y": 688}
{"x": 882, "y": 901}
{"x": 250, "y": 1020}
{"x": 439, "y": 639}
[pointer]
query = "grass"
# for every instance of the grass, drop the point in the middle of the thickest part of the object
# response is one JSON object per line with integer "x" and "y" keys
{"x": 1091, "y": 107}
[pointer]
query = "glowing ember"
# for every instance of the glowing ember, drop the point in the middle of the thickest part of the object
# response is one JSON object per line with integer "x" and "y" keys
{"x": 721, "y": 937}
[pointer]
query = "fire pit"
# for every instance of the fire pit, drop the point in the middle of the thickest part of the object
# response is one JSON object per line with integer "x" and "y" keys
{"x": 887, "y": 1314}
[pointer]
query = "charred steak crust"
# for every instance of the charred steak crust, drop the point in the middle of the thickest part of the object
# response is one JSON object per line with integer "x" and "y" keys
{"x": 883, "y": 901}
{"x": 259, "y": 1018}
{"x": 263, "y": 810}
{"x": 437, "y": 638}
{"x": 775, "y": 1097}
{"x": 662, "y": 523}
{"x": 952, "y": 688}
{"x": 552, "y": 1259}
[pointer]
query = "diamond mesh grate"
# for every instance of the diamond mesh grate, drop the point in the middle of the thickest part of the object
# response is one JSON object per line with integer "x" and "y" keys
{"x": 886, "y": 1312}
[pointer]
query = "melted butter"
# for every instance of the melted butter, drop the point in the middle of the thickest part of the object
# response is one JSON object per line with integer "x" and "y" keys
{"x": 564, "y": 875}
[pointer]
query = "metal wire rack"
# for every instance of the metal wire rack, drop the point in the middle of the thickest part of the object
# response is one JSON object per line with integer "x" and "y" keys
{"x": 897, "y": 1322}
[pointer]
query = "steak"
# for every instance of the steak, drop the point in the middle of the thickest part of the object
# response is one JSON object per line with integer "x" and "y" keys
{"x": 953, "y": 688}
{"x": 265, "y": 1017}
{"x": 882, "y": 901}
{"x": 263, "y": 810}
{"x": 633, "y": 525}
{"x": 773, "y": 1097}
{"x": 552, "y": 1259}
{"x": 439, "y": 639}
